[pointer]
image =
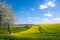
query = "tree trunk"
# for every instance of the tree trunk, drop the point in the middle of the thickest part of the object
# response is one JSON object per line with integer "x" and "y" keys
{"x": 9, "y": 28}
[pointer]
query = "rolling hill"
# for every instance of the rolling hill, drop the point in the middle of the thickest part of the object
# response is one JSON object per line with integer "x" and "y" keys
{"x": 41, "y": 28}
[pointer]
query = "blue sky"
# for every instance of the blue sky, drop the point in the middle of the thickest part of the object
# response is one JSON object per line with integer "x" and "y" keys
{"x": 35, "y": 11}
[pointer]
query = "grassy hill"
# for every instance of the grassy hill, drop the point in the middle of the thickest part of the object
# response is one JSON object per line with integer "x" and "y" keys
{"x": 43, "y": 28}
{"x": 38, "y": 32}
{"x": 41, "y": 31}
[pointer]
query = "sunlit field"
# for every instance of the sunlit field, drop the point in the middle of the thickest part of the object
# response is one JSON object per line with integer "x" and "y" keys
{"x": 29, "y": 19}
{"x": 35, "y": 32}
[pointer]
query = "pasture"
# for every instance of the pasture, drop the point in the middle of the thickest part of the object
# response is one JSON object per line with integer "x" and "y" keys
{"x": 35, "y": 32}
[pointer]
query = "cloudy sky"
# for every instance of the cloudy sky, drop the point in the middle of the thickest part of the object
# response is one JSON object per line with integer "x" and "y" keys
{"x": 36, "y": 11}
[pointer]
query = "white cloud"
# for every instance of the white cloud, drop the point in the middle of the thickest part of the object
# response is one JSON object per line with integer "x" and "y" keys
{"x": 51, "y": 4}
{"x": 49, "y": 15}
{"x": 56, "y": 19}
{"x": 43, "y": 7}
{"x": 45, "y": 19}
{"x": 47, "y": 4}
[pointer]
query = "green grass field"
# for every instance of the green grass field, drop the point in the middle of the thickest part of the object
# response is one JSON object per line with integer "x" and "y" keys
{"x": 36, "y": 32}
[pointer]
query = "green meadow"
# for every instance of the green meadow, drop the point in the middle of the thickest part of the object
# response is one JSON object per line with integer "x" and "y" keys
{"x": 35, "y": 32}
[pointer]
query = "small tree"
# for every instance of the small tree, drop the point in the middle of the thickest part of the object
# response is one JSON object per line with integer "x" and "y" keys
{"x": 26, "y": 26}
{"x": 6, "y": 16}
{"x": 40, "y": 29}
